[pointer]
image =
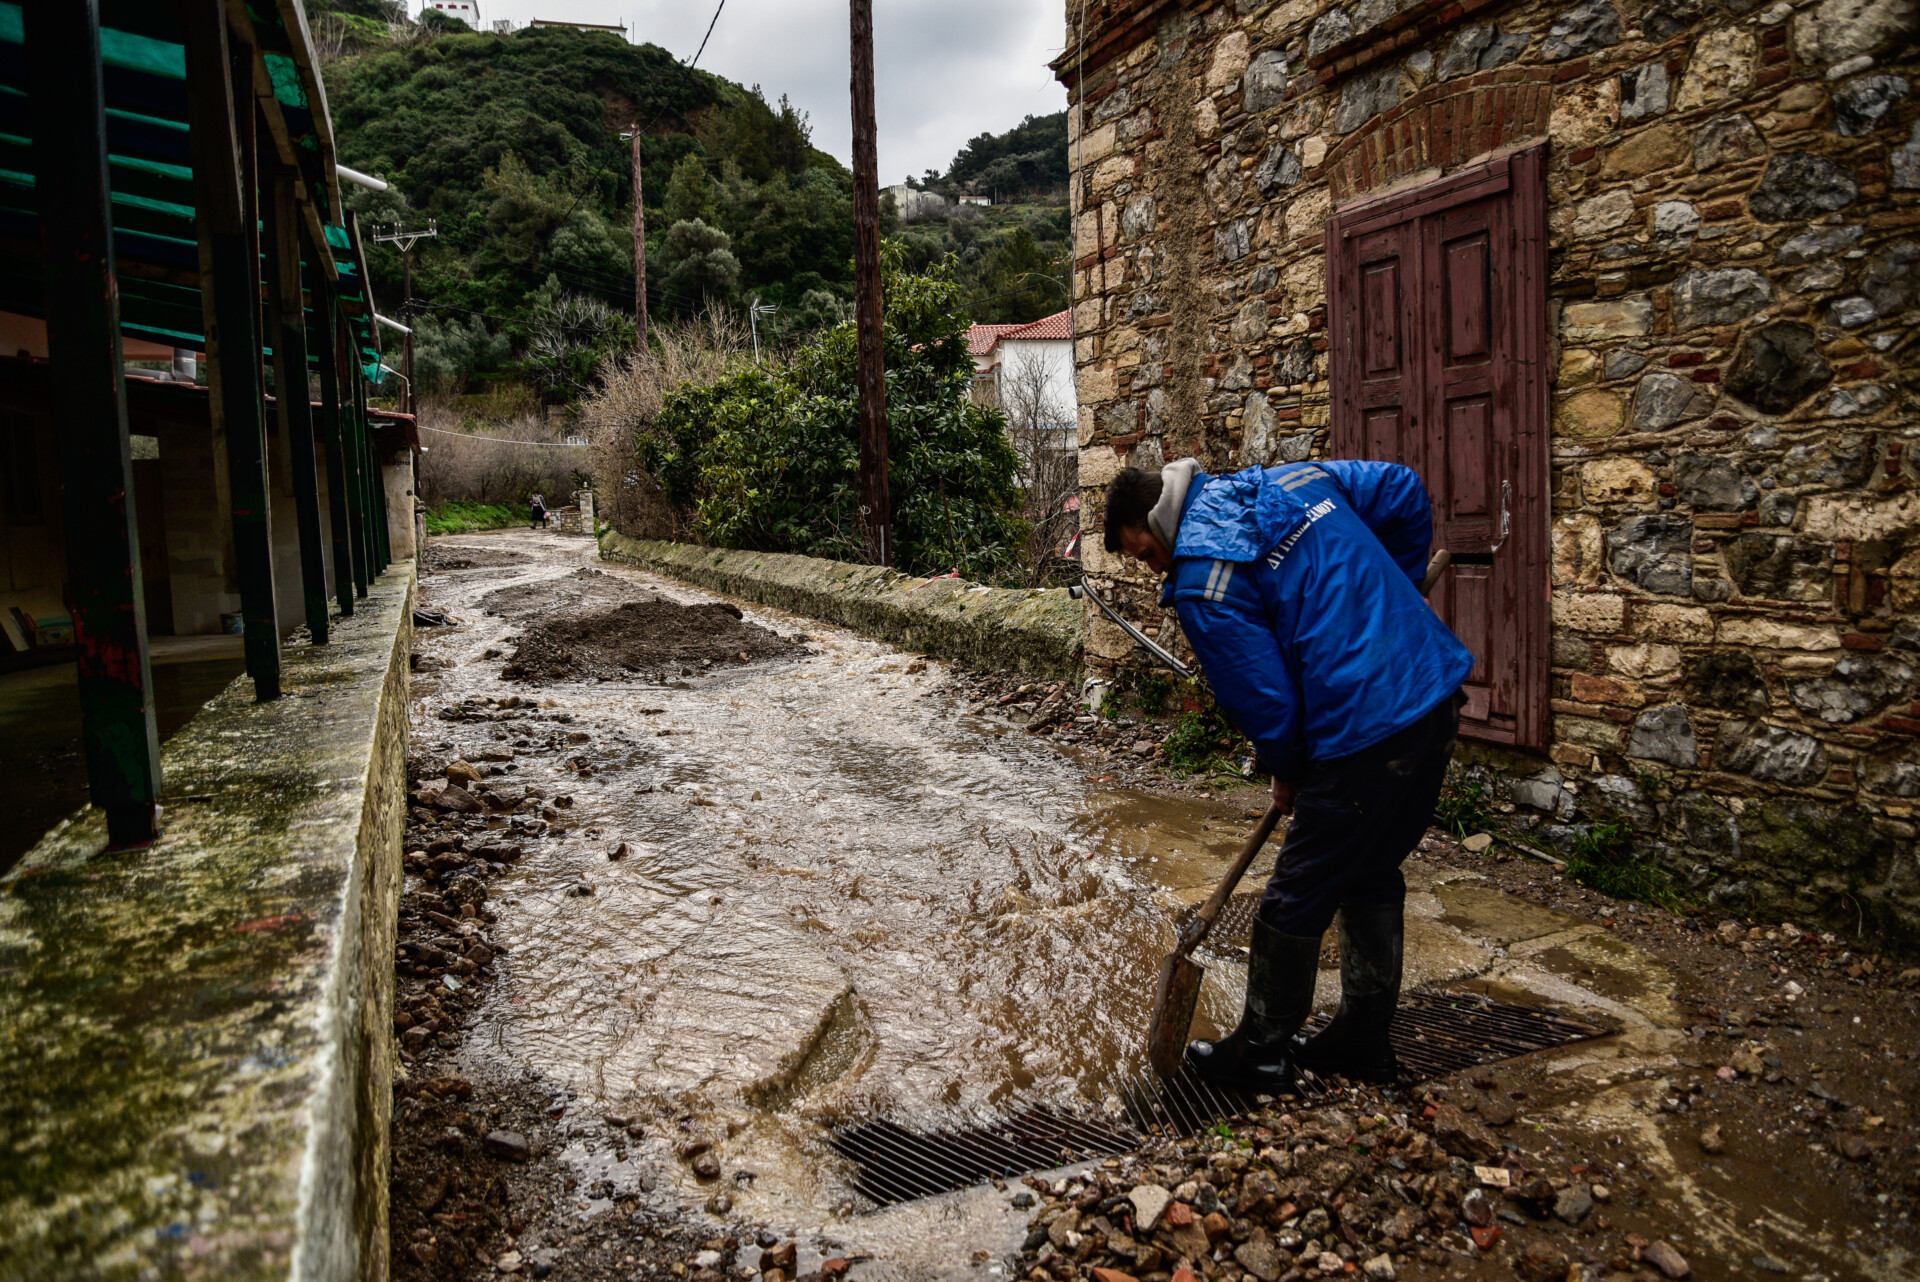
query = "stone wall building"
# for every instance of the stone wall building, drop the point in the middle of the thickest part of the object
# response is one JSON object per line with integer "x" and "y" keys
{"x": 1636, "y": 285}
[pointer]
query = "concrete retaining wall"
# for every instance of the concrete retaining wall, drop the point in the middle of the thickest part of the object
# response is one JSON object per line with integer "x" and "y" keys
{"x": 196, "y": 1039}
{"x": 1038, "y": 631}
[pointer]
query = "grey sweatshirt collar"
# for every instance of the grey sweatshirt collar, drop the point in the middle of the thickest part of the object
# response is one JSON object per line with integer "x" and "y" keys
{"x": 1164, "y": 520}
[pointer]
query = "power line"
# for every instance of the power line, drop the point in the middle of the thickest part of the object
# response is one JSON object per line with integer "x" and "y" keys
{"x": 708, "y": 36}
{"x": 508, "y": 440}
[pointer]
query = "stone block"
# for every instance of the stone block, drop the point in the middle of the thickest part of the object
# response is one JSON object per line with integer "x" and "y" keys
{"x": 1628, "y": 316}
{"x": 1855, "y": 688}
{"x": 1545, "y": 792}
{"x": 1678, "y": 624}
{"x": 1904, "y": 162}
{"x": 1644, "y": 660}
{"x": 1654, "y": 552}
{"x": 1365, "y": 96}
{"x": 1591, "y": 689}
{"x": 1229, "y": 60}
{"x": 1799, "y": 184}
{"x": 1232, "y": 242}
{"x": 1646, "y": 151}
{"x": 1836, "y": 30}
{"x": 1713, "y": 483}
{"x": 1722, "y": 67}
{"x": 1726, "y": 140}
{"x": 1861, "y": 103}
{"x": 1590, "y": 414}
{"x": 1892, "y": 277}
{"x": 1663, "y": 400}
{"x": 1609, "y": 211}
{"x": 1777, "y": 366}
{"x": 1577, "y": 550}
{"x": 1581, "y": 28}
{"x": 1861, "y": 517}
{"x": 1586, "y": 732}
{"x": 1780, "y": 567}
{"x": 1770, "y": 753}
{"x": 1616, "y": 479}
{"x": 1718, "y": 296}
{"x": 1265, "y": 83}
{"x": 1598, "y": 613}
{"x": 1774, "y": 634}
{"x": 1664, "y": 734}
{"x": 1278, "y": 168}
{"x": 1643, "y": 91}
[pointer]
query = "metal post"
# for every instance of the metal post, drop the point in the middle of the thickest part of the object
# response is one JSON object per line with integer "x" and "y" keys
{"x": 350, "y": 450}
{"x": 326, "y": 349}
{"x": 406, "y": 339}
{"x": 104, "y": 588}
{"x": 871, "y": 370}
{"x": 281, "y": 237}
{"x": 230, "y": 299}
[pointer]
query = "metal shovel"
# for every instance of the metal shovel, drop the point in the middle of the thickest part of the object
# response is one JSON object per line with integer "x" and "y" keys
{"x": 1180, "y": 975}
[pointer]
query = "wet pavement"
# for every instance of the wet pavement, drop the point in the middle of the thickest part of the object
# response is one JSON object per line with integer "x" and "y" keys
{"x": 771, "y": 897}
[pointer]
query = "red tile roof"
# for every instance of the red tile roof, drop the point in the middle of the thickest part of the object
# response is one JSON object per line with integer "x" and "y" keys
{"x": 982, "y": 339}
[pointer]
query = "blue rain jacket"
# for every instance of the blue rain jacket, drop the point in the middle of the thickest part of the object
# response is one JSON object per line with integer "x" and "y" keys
{"x": 1299, "y": 589}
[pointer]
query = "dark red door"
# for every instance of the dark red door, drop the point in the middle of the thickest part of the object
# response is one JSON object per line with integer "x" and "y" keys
{"x": 1437, "y": 316}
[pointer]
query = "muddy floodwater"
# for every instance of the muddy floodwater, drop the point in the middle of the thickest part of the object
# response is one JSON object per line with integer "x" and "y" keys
{"x": 796, "y": 891}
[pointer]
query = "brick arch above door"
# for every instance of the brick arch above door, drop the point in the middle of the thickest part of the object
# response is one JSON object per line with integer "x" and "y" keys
{"x": 1442, "y": 127}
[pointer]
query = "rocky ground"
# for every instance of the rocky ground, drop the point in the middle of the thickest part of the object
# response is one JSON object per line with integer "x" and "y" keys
{"x": 1793, "y": 1086}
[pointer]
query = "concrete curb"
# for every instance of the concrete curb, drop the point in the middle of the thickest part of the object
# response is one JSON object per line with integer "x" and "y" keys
{"x": 1039, "y": 631}
{"x": 203, "y": 1030}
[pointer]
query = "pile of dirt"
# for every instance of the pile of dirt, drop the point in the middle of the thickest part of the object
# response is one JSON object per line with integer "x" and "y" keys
{"x": 441, "y": 558}
{"x": 652, "y": 637}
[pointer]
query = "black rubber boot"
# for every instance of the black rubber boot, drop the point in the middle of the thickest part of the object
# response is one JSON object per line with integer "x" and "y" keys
{"x": 1355, "y": 1044}
{"x": 1258, "y": 1055}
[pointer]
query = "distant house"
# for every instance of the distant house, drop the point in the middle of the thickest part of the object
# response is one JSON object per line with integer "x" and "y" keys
{"x": 1027, "y": 370}
{"x": 913, "y": 205}
{"x": 465, "y": 10}
{"x": 975, "y": 200}
{"x": 611, "y": 28}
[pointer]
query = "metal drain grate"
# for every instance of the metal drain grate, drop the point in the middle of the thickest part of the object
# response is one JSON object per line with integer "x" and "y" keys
{"x": 1435, "y": 1033}
{"x": 1233, "y": 928}
{"x": 896, "y": 1164}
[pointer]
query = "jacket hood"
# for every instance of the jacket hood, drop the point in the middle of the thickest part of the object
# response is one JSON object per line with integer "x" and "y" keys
{"x": 1241, "y": 517}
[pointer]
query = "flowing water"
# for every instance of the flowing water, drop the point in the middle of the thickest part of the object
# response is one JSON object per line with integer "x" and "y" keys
{"x": 842, "y": 896}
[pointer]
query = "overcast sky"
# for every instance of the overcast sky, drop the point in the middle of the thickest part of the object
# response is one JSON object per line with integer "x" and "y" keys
{"x": 945, "y": 70}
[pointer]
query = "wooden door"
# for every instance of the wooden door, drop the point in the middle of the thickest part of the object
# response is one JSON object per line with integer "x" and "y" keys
{"x": 1437, "y": 319}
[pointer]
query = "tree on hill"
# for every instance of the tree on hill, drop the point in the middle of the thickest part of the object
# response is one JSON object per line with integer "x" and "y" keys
{"x": 511, "y": 143}
{"x": 1028, "y": 160}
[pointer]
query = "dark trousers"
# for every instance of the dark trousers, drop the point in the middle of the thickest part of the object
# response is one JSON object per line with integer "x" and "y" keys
{"x": 1354, "y": 820}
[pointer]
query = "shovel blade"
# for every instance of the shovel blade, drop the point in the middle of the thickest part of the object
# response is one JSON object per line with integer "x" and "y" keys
{"x": 1173, "y": 1008}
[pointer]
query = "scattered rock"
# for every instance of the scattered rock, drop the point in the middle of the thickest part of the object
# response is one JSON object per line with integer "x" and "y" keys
{"x": 1711, "y": 1140}
{"x": 1662, "y": 1256}
{"x": 1541, "y": 1262}
{"x": 1150, "y": 1201}
{"x": 509, "y": 1146}
{"x": 1854, "y": 1148}
{"x": 706, "y": 1165}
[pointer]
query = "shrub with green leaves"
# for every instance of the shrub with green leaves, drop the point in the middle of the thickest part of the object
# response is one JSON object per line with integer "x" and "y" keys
{"x": 1603, "y": 859}
{"x": 768, "y": 458}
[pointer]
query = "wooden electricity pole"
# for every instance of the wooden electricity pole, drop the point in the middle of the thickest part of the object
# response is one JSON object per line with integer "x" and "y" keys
{"x": 872, "y": 374}
{"x": 639, "y": 249}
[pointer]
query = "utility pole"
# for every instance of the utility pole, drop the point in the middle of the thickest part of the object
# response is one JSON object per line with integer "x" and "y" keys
{"x": 406, "y": 240}
{"x": 639, "y": 247}
{"x": 872, "y": 374}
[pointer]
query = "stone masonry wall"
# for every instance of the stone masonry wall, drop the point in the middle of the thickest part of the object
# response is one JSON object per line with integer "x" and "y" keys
{"x": 1734, "y": 239}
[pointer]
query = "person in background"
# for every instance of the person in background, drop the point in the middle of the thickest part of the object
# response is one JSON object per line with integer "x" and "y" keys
{"x": 539, "y": 506}
{"x": 1299, "y": 588}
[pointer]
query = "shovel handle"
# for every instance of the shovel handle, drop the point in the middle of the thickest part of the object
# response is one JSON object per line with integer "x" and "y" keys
{"x": 1218, "y": 899}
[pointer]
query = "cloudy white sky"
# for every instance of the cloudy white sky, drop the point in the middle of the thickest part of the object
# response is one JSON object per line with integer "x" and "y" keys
{"x": 944, "y": 71}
